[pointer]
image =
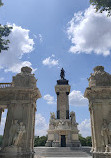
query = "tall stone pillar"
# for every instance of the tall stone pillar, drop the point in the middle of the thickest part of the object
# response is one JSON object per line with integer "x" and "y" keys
{"x": 62, "y": 90}
{"x": 19, "y": 128}
{"x": 99, "y": 95}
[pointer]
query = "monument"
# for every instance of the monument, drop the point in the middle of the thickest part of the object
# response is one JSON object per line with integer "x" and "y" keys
{"x": 19, "y": 97}
{"x": 63, "y": 130}
{"x": 99, "y": 95}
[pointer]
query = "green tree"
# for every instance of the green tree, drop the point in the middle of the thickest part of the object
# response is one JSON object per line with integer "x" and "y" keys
{"x": 82, "y": 140}
{"x": 102, "y": 5}
{"x": 4, "y": 32}
{"x": 40, "y": 141}
{"x": 85, "y": 141}
{"x": 88, "y": 141}
{"x": 1, "y": 3}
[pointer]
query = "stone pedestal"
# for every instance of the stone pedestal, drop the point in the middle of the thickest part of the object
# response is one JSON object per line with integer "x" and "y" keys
{"x": 99, "y": 95}
{"x": 63, "y": 130}
{"x": 20, "y": 98}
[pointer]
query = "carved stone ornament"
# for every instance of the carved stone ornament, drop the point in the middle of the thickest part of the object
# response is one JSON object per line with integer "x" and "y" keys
{"x": 99, "y": 77}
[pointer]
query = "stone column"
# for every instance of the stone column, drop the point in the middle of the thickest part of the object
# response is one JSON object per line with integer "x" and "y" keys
{"x": 62, "y": 90}
{"x": 99, "y": 95}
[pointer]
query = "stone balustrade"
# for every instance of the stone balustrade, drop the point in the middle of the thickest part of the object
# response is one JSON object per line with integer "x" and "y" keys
{"x": 5, "y": 85}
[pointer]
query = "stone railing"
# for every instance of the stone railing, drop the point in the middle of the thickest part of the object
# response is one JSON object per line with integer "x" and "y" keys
{"x": 5, "y": 85}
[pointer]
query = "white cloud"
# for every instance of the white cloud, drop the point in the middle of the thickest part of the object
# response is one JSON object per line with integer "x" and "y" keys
{"x": 17, "y": 67}
{"x": 76, "y": 98}
{"x": 2, "y": 125}
{"x": 90, "y": 32}
{"x": 41, "y": 126}
{"x": 38, "y": 37}
{"x": 20, "y": 44}
{"x": 1, "y": 79}
{"x": 41, "y": 38}
{"x": 49, "y": 99}
{"x": 50, "y": 61}
{"x": 85, "y": 128}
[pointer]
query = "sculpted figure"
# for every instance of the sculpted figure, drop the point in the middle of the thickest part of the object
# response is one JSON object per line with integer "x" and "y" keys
{"x": 16, "y": 133}
{"x": 62, "y": 74}
{"x": 52, "y": 116}
{"x": 104, "y": 134}
{"x": 109, "y": 132}
{"x": 73, "y": 119}
{"x": 13, "y": 132}
{"x": 60, "y": 124}
{"x": 19, "y": 134}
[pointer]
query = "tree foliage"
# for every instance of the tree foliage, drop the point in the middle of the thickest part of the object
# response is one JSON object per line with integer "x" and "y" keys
{"x": 1, "y": 3}
{"x": 102, "y": 5}
{"x": 40, "y": 141}
{"x": 4, "y": 32}
{"x": 85, "y": 141}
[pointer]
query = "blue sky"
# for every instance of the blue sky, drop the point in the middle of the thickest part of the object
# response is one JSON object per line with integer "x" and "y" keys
{"x": 53, "y": 28}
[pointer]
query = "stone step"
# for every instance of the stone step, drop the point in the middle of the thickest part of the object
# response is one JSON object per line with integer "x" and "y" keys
{"x": 65, "y": 154}
{"x": 62, "y": 152}
{"x": 62, "y": 148}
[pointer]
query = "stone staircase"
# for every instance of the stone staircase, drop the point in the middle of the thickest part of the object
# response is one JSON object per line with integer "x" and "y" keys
{"x": 63, "y": 152}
